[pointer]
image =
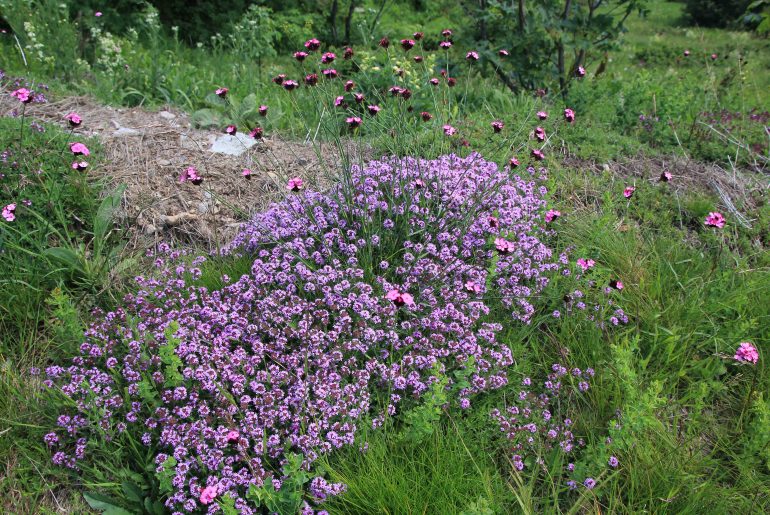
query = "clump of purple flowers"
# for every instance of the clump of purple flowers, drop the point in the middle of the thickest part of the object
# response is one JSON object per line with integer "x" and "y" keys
{"x": 538, "y": 421}
{"x": 295, "y": 356}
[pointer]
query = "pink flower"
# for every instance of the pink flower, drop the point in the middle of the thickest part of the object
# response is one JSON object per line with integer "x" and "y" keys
{"x": 418, "y": 36}
{"x": 353, "y": 122}
{"x": 208, "y": 494}
{"x": 747, "y": 352}
{"x": 628, "y": 192}
{"x": 233, "y": 436}
{"x": 191, "y": 175}
{"x": 569, "y": 115}
{"x": 246, "y": 173}
{"x": 23, "y": 95}
{"x": 221, "y": 92}
{"x": 552, "y": 215}
{"x": 472, "y": 56}
{"x": 540, "y": 133}
{"x": 687, "y": 53}
{"x": 9, "y": 212}
{"x": 513, "y": 162}
{"x": 257, "y": 132}
{"x": 79, "y": 149}
{"x": 262, "y": 110}
{"x": 312, "y": 44}
{"x": 585, "y": 264}
{"x": 493, "y": 222}
{"x": 451, "y": 82}
{"x": 449, "y": 130}
{"x": 349, "y": 85}
{"x": 339, "y": 102}
{"x": 497, "y": 125}
{"x": 311, "y": 79}
{"x": 330, "y": 73}
{"x": 328, "y": 57}
{"x": 713, "y": 57}
{"x": 618, "y": 285}
{"x": 407, "y": 44}
{"x": 426, "y": 116}
{"x": 74, "y": 119}
{"x": 417, "y": 58}
{"x": 446, "y": 33}
{"x": 347, "y": 53}
{"x": 300, "y": 56}
{"x": 419, "y": 184}
{"x": 27, "y": 202}
{"x": 278, "y": 79}
{"x": 446, "y": 45}
{"x": 384, "y": 42}
{"x": 581, "y": 72}
{"x": 80, "y": 165}
{"x": 289, "y": 85}
{"x": 295, "y": 184}
{"x": 434, "y": 81}
{"x": 715, "y": 219}
{"x": 665, "y": 177}
{"x": 231, "y": 130}
{"x": 373, "y": 109}
{"x": 400, "y": 298}
{"x": 538, "y": 154}
{"x": 542, "y": 115}
{"x": 504, "y": 246}
{"x": 98, "y": 14}
{"x": 503, "y": 53}
{"x": 473, "y": 287}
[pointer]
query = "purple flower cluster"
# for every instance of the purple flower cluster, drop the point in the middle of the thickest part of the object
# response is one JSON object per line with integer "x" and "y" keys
{"x": 296, "y": 355}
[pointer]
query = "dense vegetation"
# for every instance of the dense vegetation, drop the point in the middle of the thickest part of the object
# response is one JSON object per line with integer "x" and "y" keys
{"x": 477, "y": 323}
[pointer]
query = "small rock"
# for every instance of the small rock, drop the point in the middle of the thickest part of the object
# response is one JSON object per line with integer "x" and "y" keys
{"x": 166, "y": 115}
{"x": 125, "y": 131}
{"x": 233, "y": 145}
{"x": 606, "y": 167}
{"x": 163, "y": 162}
{"x": 115, "y": 124}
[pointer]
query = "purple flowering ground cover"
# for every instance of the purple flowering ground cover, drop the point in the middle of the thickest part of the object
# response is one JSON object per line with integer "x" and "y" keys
{"x": 225, "y": 387}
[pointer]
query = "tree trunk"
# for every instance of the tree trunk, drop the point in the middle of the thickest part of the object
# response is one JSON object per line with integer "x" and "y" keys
{"x": 333, "y": 21}
{"x": 522, "y": 19}
{"x": 349, "y": 20}
{"x": 560, "y": 48}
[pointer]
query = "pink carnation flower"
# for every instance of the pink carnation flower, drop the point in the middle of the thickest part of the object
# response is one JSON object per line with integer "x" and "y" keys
{"x": 353, "y": 122}
{"x": 473, "y": 287}
{"x": 23, "y": 95}
{"x": 747, "y": 352}
{"x": 585, "y": 264}
{"x": 80, "y": 165}
{"x": 503, "y": 53}
{"x": 552, "y": 215}
{"x": 221, "y": 92}
{"x": 328, "y": 57}
{"x": 446, "y": 45}
{"x": 504, "y": 246}
{"x": 79, "y": 149}
{"x": 208, "y": 494}
{"x": 262, "y": 110}
{"x": 231, "y": 130}
{"x": 246, "y": 173}
{"x": 9, "y": 212}
{"x": 295, "y": 184}
{"x": 400, "y": 298}
{"x": 74, "y": 119}
{"x": 300, "y": 56}
{"x": 628, "y": 192}
{"x": 312, "y": 44}
{"x": 542, "y": 115}
{"x": 715, "y": 219}
{"x": 449, "y": 130}
{"x": 472, "y": 56}
{"x": 497, "y": 125}
{"x": 569, "y": 115}
{"x": 191, "y": 175}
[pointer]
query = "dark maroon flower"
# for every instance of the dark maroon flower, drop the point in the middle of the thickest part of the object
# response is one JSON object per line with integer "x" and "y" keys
{"x": 311, "y": 79}
{"x": 538, "y": 155}
{"x": 257, "y": 133}
{"x": 418, "y": 36}
{"x": 503, "y": 53}
{"x": 300, "y": 56}
{"x": 434, "y": 81}
{"x": 406, "y": 93}
{"x": 231, "y": 130}
{"x": 426, "y": 116}
{"x": 373, "y": 109}
{"x": 513, "y": 162}
{"x": 385, "y": 42}
{"x": 395, "y": 90}
{"x": 451, "y": 82}
{"x": 330, "y": 73}
{"x": 290, "y": 85}
{"x": 347, "y": 53}
{"x": 497, "y": 125}
{"x": 262, "y": 110}
{"x": 407, "y": 44}
{"x": 446, "y": 33}
{"x": 417, "y": 58}
{"x": 358, "y": 97}
{"x": 312, "y": 44}
{"x": 349, "y": 85}
{"x": 222, "y": 92}
{"x": 278, "y": 79}
{"x": 328, "y": 57}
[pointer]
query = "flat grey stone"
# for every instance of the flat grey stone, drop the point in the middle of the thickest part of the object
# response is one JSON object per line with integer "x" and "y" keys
{"x": 125, "y": 131}
{"x": 166, "y": 115}
{"x": 233, "y": 145}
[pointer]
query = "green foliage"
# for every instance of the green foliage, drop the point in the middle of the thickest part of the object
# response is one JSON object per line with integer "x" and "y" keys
{"x": 715, "y": 13}
{"x": 288, "y": 499}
